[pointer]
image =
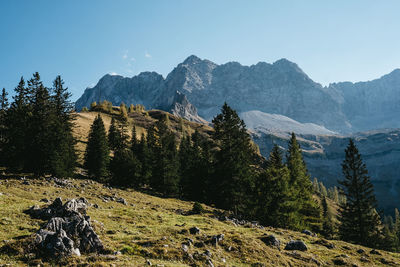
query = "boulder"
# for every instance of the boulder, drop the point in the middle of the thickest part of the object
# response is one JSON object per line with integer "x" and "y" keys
{"x": 296, "y": 245}
{"x": 68, "y": 230}
{"x": 271, "y": 240}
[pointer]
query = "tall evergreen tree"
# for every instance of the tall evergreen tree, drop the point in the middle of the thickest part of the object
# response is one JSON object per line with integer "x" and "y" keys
{"x": 165, "y": 173}
{"x": 125, "y": 167}
{"x": 97, "y": 155}
{"x": 3, "y": 110}
{"x": 144, "y": 156}
{"x": 39, "y": 127}
{"x": 308, "y": 212}
{"x": 234, "y": 177}
{"x": 17, "y": 119}
{"x": 63, "y": 155}
{"x": 113, "y": 135}
{"x": 328, "y": 226}
{"x": 274, "y": 207}
{"x": 359, "y": 222}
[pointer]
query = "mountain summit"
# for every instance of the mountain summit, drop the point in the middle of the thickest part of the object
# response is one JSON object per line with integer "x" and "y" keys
{"x": 197, "y": 88}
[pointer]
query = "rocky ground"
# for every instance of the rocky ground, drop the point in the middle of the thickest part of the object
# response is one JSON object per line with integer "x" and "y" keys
{"x": 136, "y": 229}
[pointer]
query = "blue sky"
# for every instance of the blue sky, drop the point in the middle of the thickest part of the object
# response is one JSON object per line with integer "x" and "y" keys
{"x": 83, "y": 40}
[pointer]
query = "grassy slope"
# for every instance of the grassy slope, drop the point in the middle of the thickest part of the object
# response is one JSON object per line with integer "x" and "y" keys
{"x": 158, "y": 221}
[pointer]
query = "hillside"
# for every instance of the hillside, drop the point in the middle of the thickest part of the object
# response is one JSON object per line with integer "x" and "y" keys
{"x": 141, "y": 120}
{"x": 152, "y": 228}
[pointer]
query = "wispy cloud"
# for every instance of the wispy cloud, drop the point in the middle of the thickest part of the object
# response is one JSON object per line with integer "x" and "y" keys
{"x": 133, "y": 59}
{"x": 113, "y": 73}
{"x": 125, "y": 55}
{"x": 146, "y": 54}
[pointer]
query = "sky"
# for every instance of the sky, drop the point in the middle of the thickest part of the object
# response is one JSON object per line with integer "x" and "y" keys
{"x": 331, "y": 41}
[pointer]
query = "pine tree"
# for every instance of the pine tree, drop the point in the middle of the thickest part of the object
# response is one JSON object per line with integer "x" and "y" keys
{"x": 165, "y": 173}
{"x": 144, "y": 156}
{"x": 63, "y": 155}
{"x": 97, "y": 155}
{"x": 123, "y": 112}
{"x": 234, "y": 176}
{"x": 39, "y": 128}
{"x": 17, "y": 119}
{"x": 113, "y": 135}
{"x": 328, "y": 226}
{"x": 308, "y": 213}
{"x": 274, "y": 207}
{"x": 359, "y": 222}
{"x": 3, "y": 126}
{"x": 125, "y": 167}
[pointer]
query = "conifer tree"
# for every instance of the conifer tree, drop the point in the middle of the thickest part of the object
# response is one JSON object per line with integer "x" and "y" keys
{"x": 234, "y": 176}
{"x": 165, "y": 173}
{"x": 16, "y": 120}
{"x": 97, "y": 155}
{"x": 63, "y": 155}
{"x": 328, "y": 226}
{"x": 3, "y": 126}
{"x": 123, "y": 112}
{"x": 274, "y": 207}
{"x": 144, "y": 156}
{"x": 308, "y": 213}
{"x": 39, "y": 128}
{"x": 113, "y": 135}
{"x": 125, "y": 167}
{"x": 359, "y": 222}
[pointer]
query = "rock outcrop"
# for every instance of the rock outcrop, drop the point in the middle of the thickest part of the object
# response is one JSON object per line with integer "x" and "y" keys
{"x": 68, "y": 230}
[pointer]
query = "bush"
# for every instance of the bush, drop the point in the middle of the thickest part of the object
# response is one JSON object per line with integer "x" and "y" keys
{"x": 197, "y": 208}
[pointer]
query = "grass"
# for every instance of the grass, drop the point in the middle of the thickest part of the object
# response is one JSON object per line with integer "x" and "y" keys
{"x": 154, "y": 228}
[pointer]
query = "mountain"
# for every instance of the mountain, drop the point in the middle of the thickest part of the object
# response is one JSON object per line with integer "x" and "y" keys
{"x": 323, "y": 154}
{"x": 198, "y": 88}
{"x": 274, "y": 100}
{"x": 371, "y": 105}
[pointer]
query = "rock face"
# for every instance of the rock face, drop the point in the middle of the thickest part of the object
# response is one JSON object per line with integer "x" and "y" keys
{"x": 68, "y": 230}
{"x": 324, "y": 154}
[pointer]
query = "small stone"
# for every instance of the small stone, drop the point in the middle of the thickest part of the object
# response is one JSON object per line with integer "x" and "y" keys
{"x": 375, "y": 252}
{"x": 117, "y": 253}
{"x": 194, "y": 230}
{"x": 122, "y": 201}
{"x": 185, "y": 248}
{"x": 148, "y": 262}
{"x": 308, "y": 232}
{"x": 360, "y": 251}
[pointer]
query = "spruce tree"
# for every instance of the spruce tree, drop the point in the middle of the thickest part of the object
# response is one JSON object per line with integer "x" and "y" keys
{"x": 308, "y": 212}
{"x": 328, "y": 225}
{"x": 274, "y": 207}
{"x": 97, "y": 155}
{"x": 3, "y": 126}
{"x": 144, "y": 156}
{"x": 165, "y": 173}
{"x": 234, "y": 176}
{"x": 113, "y": 135}
{"x": 359, "y": 222}
{"x": 63, "y": 155}
{"x": 125, "y": 167}
{"x": 39, "y": 128}
{"x": 17, "y": 119}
